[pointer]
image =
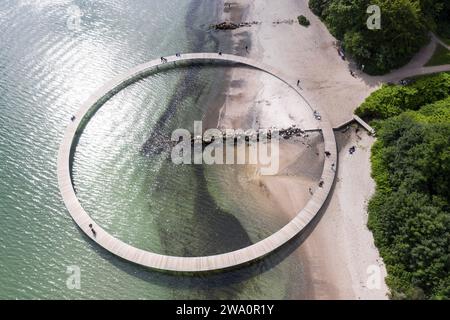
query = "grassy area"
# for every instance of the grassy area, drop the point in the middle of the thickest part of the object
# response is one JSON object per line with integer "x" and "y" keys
{"x": 445, "y": 37}
{"x": 441, "y": 56}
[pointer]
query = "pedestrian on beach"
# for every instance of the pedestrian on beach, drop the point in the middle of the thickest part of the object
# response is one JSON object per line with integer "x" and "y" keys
{"x": 298, "y": 83}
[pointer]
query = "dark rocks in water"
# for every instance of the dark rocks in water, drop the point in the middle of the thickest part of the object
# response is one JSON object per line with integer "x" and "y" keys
{"x": 248, "y": 24}
{"x": 288, "y": 133}
{"x": 232, "y": 26}
{"x": 286, "y": 21}
{"x": 159, "y": 145}
{"x": 156, "y": 146}
{"x": 291, "y": 132}
{"x": 225, "y": 26}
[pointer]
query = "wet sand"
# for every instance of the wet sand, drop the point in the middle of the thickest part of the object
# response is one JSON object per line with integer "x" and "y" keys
{"x": 340, "y": 250}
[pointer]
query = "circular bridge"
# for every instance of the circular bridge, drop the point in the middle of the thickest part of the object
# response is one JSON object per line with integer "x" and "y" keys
{"x": 173, "y": 263}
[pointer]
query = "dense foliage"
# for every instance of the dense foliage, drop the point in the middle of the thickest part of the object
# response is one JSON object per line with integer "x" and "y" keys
{"x": 303, "y": 20}
{"x": 438, "y": 16}
{"x": 409, "y": 213}
{"x": 404, "y": 28}
{"x": 391, "y": 100}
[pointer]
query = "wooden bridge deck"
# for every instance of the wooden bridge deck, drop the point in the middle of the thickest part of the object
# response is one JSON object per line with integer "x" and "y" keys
{"x": 173, "y": 263}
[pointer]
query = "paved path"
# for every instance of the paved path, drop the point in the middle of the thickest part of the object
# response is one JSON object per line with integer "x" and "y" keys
{"x": 185, "y": 264}
{"x": 421, "y": 71}
{"x": 416, "y": 67}
{"x": 358, "y": 120}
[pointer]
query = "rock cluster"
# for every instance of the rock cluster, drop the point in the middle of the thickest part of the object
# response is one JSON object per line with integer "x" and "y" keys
{"x": 231, "y": 25}
{"x": 253, "y": 135}
{"x": 291, "y": 132}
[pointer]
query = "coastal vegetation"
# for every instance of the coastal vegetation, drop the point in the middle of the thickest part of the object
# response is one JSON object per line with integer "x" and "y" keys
{"x": 404, "y": 29}
{"x": 303, "y": 21}
{"x": 391, "y": 100}
{"x": 409, "y": 212}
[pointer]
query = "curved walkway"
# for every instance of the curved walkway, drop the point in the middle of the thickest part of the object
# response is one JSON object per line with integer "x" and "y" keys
{"x": 421, "y": 71}
{"x": 416, "y": 67}
{"x": 173, "y": 263}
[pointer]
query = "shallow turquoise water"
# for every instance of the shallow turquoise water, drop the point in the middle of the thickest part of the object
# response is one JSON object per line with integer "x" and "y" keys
{"x": 46, "y": 72}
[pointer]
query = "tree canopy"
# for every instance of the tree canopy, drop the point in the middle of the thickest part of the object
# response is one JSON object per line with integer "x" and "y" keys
{"x": 391, "y": 100}
{"x": 404, "y": 28}
{"x": 409, "y": 213}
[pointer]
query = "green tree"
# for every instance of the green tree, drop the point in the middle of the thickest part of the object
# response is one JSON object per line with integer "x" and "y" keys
{"x": 391, "y": 100}
{"x": 403, "y": 30}
{"x": 409, "y": 213}
{"x": 345, "y": 15}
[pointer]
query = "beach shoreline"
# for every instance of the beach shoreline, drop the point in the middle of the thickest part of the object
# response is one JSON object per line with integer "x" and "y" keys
{"x": 340, "y": 250}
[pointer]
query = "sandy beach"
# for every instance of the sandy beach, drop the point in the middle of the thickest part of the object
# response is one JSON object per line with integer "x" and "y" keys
{"x": 340, "y": 253}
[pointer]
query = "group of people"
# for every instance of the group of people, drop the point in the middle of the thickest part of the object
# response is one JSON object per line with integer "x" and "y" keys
{"x": 94, "y": 233}
{"x": 321, "y": 182}
{"x": 317, "y": 115}
{"x": 353, "y": 74}
{"x": 164, "y": 60}
{"x": 178, "y": 55}
{"x": 246, "y": 50}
